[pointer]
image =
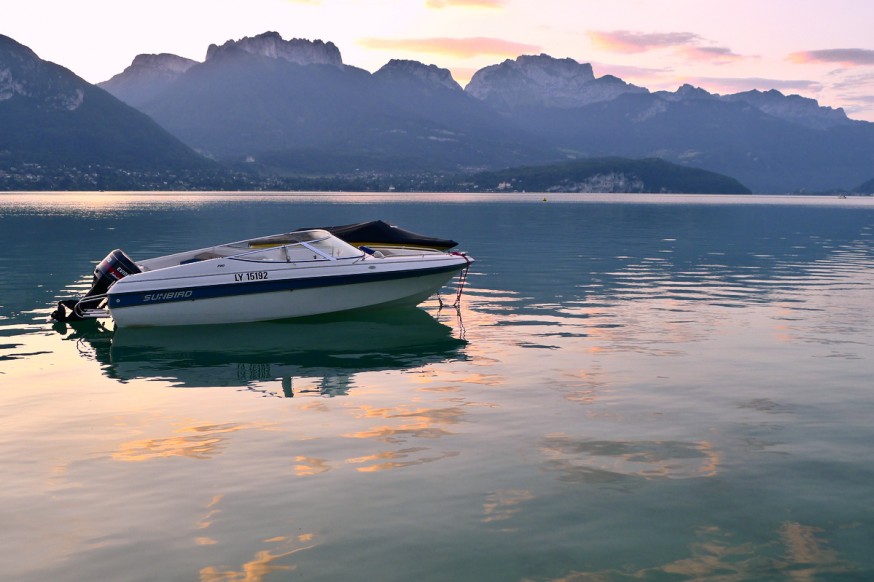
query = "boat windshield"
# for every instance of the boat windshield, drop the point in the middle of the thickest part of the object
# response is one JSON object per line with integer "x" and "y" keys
{"x": 305, "y": 245}
{"x": 330, "y": 246}
{"x": 288, "y": 238}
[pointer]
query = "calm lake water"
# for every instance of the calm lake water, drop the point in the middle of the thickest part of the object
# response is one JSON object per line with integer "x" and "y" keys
{"x": 634, "y": 387}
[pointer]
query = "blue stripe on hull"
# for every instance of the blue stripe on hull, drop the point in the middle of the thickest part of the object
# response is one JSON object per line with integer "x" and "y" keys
{"x": 155, "y": 297}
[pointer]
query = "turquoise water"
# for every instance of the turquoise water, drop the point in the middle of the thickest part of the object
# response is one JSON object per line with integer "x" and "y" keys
{"x": 641, "y": 387}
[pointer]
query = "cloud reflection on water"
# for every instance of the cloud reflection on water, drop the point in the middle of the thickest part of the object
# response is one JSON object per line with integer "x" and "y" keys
{"x": 589, "y": 461}
{"x": 797, "y": 552}
{"x": 195, "y": 442}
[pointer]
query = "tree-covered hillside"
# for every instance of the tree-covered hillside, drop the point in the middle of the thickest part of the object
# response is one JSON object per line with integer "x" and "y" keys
{"x": 610, "y": 175}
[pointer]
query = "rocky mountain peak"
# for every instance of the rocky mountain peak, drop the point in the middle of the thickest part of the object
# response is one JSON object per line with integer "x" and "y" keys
{"x": 272, "y": 45}
{"x": 163, "y": 63}
{"x": 794, "y": 108}
{"x": 146, "y": 77}
{"x": 399, "y": 69}
{"x": 685, "y": 92}
{"x": 13, "y": 50}
{"x": 24, "y": 74}
{"x": 548, "y": 68}
{"x": 544, "y": 80}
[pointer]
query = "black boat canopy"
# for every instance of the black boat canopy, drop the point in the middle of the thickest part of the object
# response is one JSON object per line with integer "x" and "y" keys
{"x": 378, "y": 232}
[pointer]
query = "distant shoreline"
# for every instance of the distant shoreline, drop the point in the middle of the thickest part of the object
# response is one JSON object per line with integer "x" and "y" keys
{"x": 863, "y": 200}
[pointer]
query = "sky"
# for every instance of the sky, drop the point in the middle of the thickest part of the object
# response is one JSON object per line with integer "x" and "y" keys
{"x": 821, "y": 49}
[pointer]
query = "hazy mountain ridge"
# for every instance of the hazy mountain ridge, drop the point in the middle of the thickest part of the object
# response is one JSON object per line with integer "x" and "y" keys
{"x": 544, "y": 81}
{"x": 24, "y": 75}
{"x": 292, "y": 107}
{"x": 147, "y": 77}
{"x": 272, "y": 45}
{"x": 794, "y": 108}
{"x": 294, "y": 118}
{"x": 532, "y": 109}
{"x": 56, "y": 124}
{"x": 769, "y": 141}
{"x": 866, "y": 188}
{"x": 406, "y": 70}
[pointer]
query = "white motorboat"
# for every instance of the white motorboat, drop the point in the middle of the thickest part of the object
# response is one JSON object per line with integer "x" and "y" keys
{"x": 283, "y": 276}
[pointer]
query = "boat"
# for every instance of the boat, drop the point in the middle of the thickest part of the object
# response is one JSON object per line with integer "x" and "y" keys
{"x": 295, "y": 274}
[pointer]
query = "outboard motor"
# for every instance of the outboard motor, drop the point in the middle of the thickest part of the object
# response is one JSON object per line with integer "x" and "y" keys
{"x": 117, "y": 265}
{"x": 114, "y": 267}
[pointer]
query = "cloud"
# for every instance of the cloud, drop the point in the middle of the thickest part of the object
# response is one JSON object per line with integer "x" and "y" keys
{"x": 854, "y": 91}
{"x": 847, "y": 57}
{"x": 642, "y": 76}
{"x": 626, "y": 41}
{"x": 623, "y": 71}
{"x": 440, "y": 4}
{"x": 455, "y": 47}
{"x": 739, "y": 84}
{"x": 687, "y": 44}
{"x": 713, "y": 54}
{"x": 862, "y": 99}
{"x": 853, "y": 82}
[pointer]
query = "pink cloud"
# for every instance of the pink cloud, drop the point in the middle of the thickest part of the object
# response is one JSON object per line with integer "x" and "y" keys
{"x": 739, "y": 84}
{"x": 687, "y": 44}
{"x": 623, "y": 71}
{"x": 848, "y": 57}
{"x": 440, "y": 4}
{"x": 713, "y": 54}
{"x": 455, "y": 47}
{"x": 626, "y": 41}
{"x": 853, "y": 82}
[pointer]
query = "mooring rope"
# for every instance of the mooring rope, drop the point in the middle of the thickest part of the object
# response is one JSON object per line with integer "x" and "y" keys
{"x": 462, "y": 278}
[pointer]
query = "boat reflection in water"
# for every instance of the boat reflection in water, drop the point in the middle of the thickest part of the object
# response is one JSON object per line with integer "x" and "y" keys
{"x": 330, "y": 348}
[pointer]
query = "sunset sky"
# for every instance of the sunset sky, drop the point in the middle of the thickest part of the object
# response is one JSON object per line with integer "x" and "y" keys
{"x": 818, "y": 49}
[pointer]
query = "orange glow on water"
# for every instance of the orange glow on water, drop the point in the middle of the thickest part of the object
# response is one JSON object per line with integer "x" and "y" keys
{"x": 212, "y": 507}
{"x": 400, "y": 459}
{"x": 256, "y": 570}
{"x": 195, "y": 442}
{"x": 716, "y": 554}
{"x": 308, "y": 466}
{"x": 590, "y": 461}
{"x": 502, "y": 504}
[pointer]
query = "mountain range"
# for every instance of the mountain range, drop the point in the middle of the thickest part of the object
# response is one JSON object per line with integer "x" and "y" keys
{"x": 49, "y": 117}
{"x": 292, "y": 108}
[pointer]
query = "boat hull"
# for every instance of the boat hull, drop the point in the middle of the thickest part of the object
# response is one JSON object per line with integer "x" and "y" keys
{"x": 275, "y": 299}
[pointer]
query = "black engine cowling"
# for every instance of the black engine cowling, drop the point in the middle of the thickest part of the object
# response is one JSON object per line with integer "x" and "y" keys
{"x": 116, "y": 266}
